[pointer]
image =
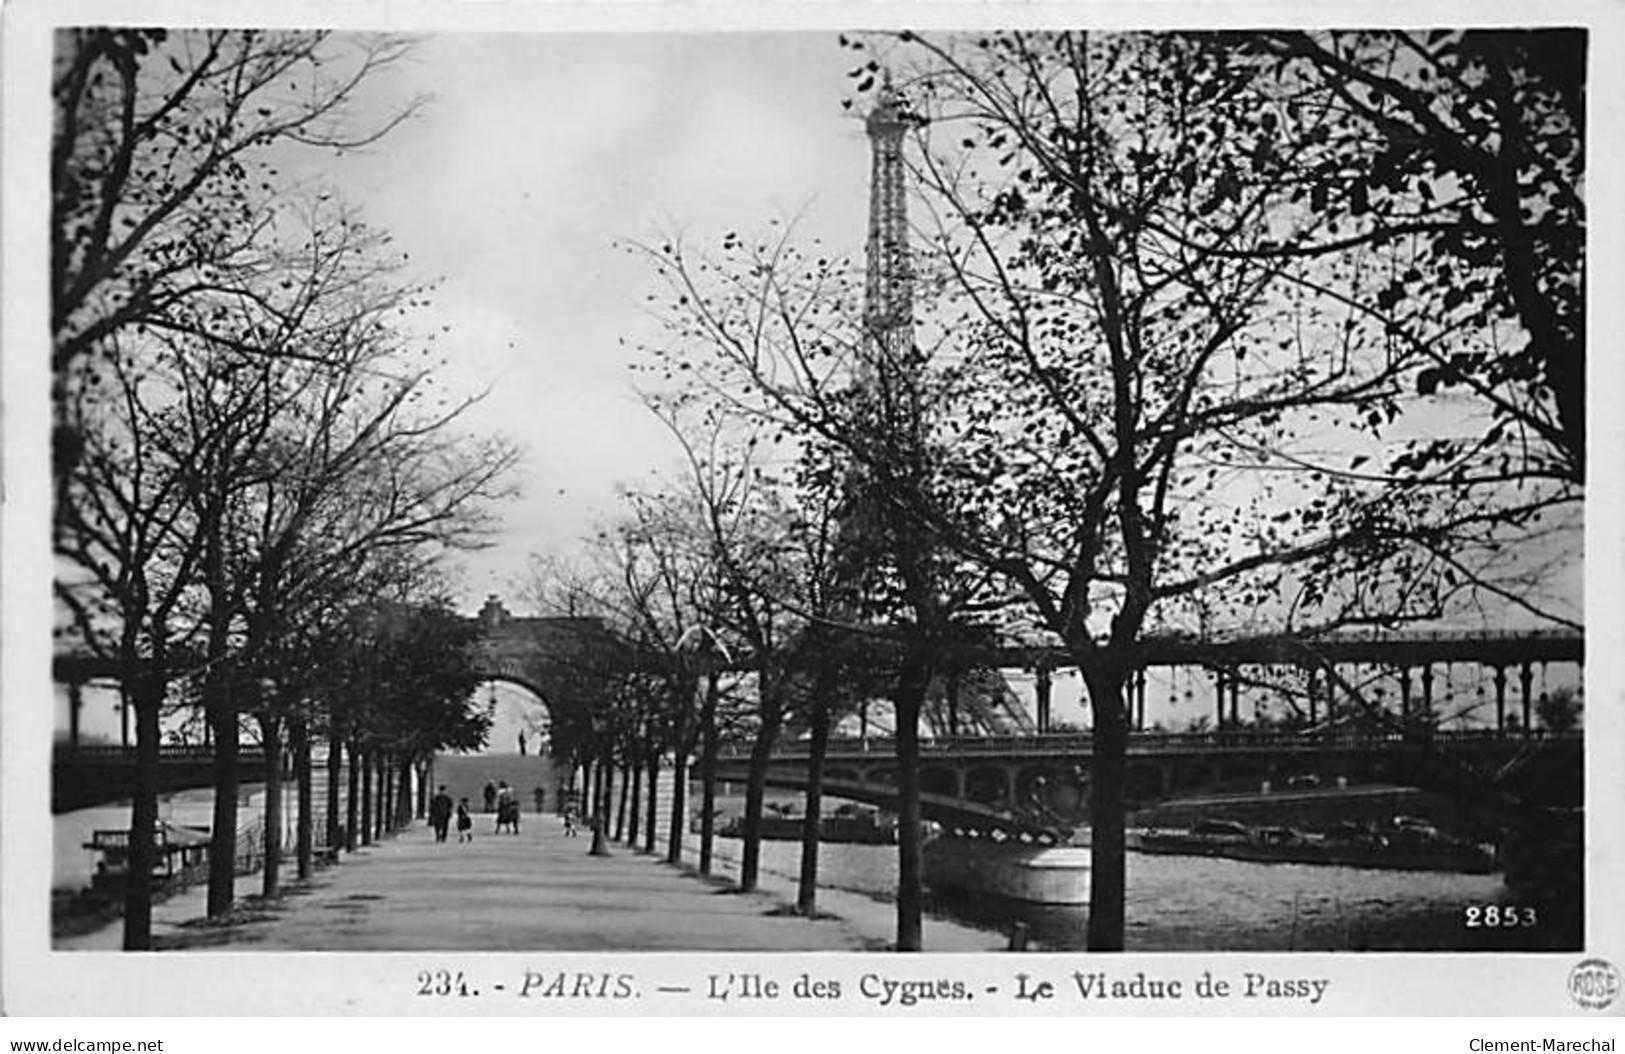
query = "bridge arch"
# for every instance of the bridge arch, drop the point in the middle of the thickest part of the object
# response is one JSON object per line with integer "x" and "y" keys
{"x": 569, "y": 663}
{"x": 988, "y": 785}
{"x": 1145, "y": 781}
{"x": 1057, "y": 789}
{"x": 515, "y": 708}
{"x": 939, "y": 779}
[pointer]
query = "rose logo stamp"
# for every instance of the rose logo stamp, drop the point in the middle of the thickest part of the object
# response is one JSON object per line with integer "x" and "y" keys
{"x": 1594, "y": 983}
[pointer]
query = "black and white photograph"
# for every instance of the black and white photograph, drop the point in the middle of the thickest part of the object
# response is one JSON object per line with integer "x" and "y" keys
{"x": 595, "y": 509}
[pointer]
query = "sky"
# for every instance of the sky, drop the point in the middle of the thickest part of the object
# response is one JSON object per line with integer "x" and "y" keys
{"x": 517, "y": 187}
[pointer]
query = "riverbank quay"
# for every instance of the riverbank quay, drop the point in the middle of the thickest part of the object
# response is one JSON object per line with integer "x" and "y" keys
{"x": 536, "y": 891}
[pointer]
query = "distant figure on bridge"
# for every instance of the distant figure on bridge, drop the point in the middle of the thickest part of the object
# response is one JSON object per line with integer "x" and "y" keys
{"x": 490, "y": 796}
{"x": 541, "y": 798}
{"x": 521, "y": 744}
{"x": 465, "y": 822}
{"x": 440, "y": 813}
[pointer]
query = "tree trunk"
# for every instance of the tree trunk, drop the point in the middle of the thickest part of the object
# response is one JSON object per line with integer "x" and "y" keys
{"x": 637, "y": 799}
{"x": 589, "y": 797}
{"x": 761, "y": 752}
{"x": 397, "y": 785}
{"x": 1107, "y": 805}
{"x": 679, "y": 804}
{"x": 222, "y": 715}
{"x": 76, "y": 705}
{"x": 914, "y": 680}
{"x": 386, "y": 794}
{"x": 335, "y": 773}
{"x": 271, "y": 738}
{"x": 304, "y": 835}
{"x": 355, "y": 804}
{"x": 403, "y": 798}
{"x": 811, "y": 828}
{"x": 603, "y": 776}
{"x": 708, "y": 773}
{"x": 365, "y": 819}
{"x": 606, "y": 793}
{"x": 147, "y": 695}
{"x": 620, "y": 806}
{"x": 651, "y": 819}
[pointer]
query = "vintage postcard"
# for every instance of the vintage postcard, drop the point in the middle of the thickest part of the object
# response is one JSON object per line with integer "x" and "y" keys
{"x": 997, "y": 511}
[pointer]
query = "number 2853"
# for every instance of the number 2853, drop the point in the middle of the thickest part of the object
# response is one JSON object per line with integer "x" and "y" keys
{"x": 1484, "y": 916}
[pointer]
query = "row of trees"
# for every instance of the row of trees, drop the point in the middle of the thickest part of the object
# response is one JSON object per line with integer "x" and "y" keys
{"x": 256, "y": 474}
{"x": 1216, "y": 334}
{"x": 724, "y": 587}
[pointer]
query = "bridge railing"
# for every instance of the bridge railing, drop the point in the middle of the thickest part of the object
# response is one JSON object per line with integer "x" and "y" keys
{"x": 1157, "y": 742}
{"x": 169, "y": 752}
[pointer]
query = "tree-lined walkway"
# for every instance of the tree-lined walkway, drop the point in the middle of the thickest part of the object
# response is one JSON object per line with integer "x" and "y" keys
{"x": 542, "y": 891}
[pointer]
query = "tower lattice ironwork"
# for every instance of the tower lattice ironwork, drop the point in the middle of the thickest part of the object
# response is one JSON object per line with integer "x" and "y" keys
{"x": 978, "y": 700}
{"x": 888, "y": 315}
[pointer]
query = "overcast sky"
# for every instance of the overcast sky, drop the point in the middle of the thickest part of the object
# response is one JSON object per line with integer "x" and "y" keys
{"x": 536, "y": 155}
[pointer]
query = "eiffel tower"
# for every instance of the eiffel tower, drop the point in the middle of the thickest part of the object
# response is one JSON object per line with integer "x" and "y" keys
{"x": 977, "y": 700}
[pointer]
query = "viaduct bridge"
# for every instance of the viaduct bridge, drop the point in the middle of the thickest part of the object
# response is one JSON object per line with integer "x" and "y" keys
{"x": 86, "y": 775}
{"x": 1013, "y": 760}
{"x": 1026, "y": 783}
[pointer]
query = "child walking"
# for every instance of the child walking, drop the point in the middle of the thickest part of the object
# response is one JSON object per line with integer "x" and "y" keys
{"x": 465, "y": 822}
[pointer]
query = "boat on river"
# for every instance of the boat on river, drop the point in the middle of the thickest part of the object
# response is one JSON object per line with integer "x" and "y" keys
{"x": 177, "y": 852}
{"x": 851, "y": 824}
{"x": 1008, "y": 869}
{"x": 1406, "y": 845}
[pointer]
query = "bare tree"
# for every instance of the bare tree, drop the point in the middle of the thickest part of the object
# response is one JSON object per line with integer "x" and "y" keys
{"x": 1143, "y": 396}
{"x": 772, "y": 333}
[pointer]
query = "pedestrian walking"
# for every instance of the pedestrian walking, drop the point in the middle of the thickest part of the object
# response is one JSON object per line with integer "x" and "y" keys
{"x": 507, "y": 809}
{"x": 490, "y": 796}
{"x": 440, "y": 813}
{"x": 541, "y": 798}
{"x": 569, "y": 820}
{"x": 521, "y": 744}
{"x": 465, "y": 822}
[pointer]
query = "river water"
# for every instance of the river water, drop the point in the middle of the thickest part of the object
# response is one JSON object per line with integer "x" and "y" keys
{"x": 1192, "y": 903}
{"x": 72, "y": 864}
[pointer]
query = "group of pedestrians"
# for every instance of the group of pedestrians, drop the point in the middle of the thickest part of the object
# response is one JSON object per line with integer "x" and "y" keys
{"x": 498, "y": 798}
{"x": 440, "y": 813}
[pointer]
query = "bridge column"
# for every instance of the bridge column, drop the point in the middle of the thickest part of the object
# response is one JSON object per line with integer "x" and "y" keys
{"x": 1427, "y": 692}
{"x": 1526, "y": 677}
{"x": 1314, "y": 696}
{"x": 1139, "y": 699}
{"x": 1500, "y": 698}
{"x": 1235, "y": 699}
{"x": 1405, "y": 695}
{"x": 1043, "y": 684}
{"x": 1218, "y": 697}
